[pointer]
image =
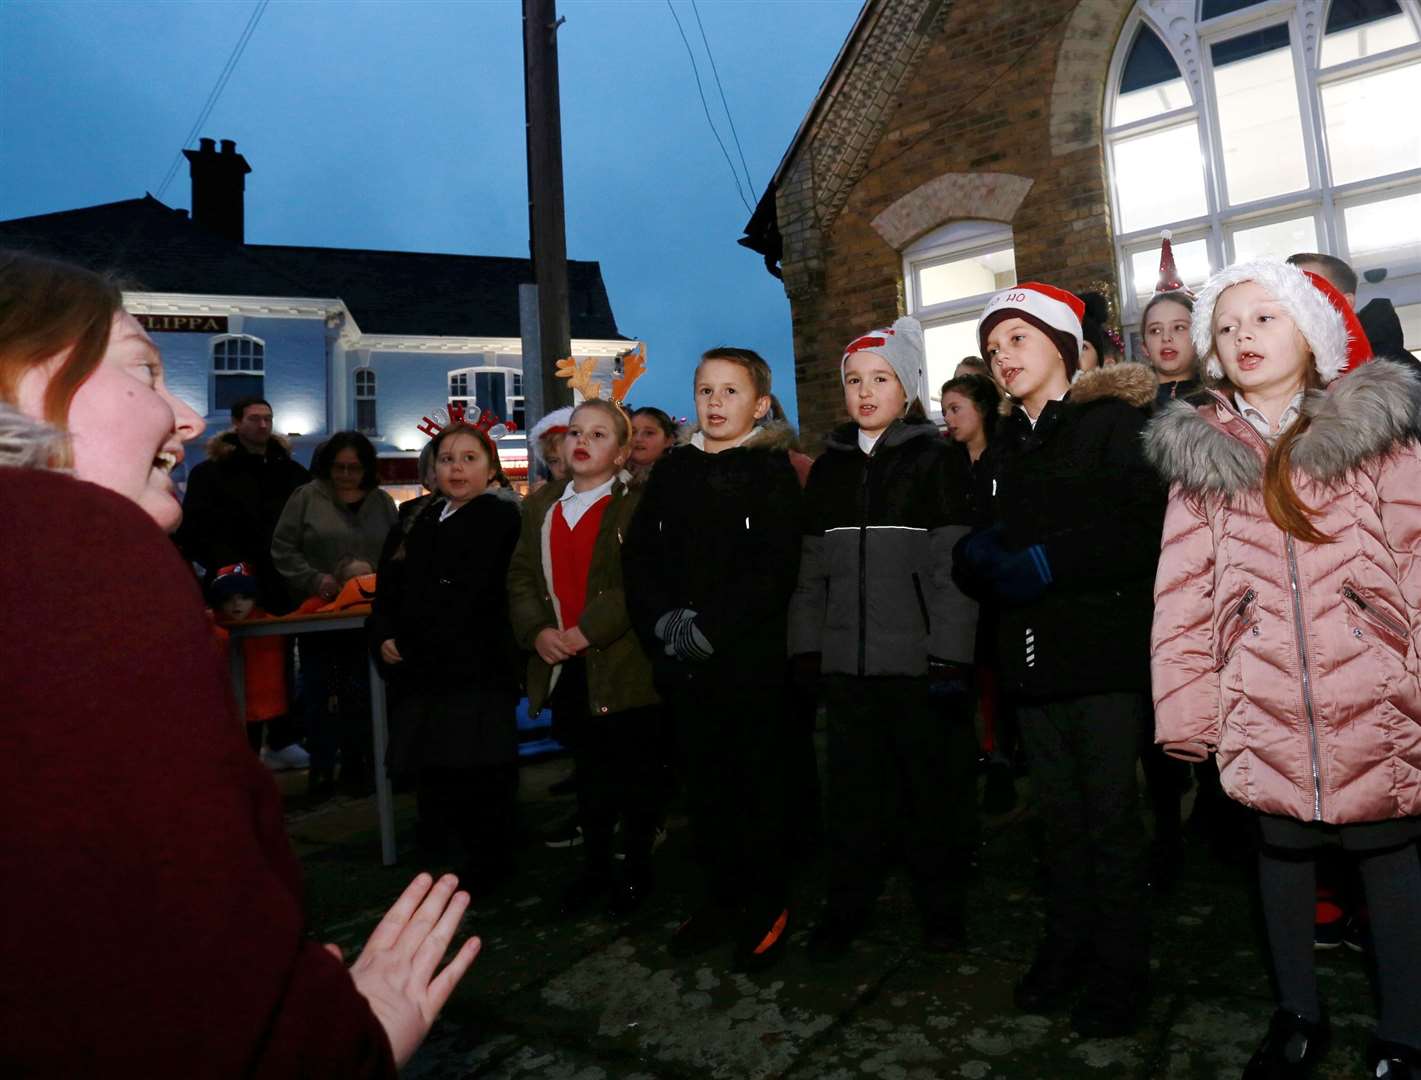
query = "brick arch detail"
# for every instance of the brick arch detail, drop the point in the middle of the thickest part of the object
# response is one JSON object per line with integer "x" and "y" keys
{"x": 951, "y": 196}
{"x": 1082, "y": 66}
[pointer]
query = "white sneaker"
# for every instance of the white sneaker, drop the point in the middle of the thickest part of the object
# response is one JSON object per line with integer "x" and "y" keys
{"x": 288, "y": 757}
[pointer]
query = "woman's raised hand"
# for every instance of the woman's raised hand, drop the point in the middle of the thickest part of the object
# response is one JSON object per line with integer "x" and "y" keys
{"x": 396, "y": 969}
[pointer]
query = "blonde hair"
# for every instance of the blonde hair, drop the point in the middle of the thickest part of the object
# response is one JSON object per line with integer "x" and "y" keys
{"x": 621, "y": 422}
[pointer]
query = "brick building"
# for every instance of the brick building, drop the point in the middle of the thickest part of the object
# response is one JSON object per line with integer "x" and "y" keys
{"x": 955, "y": 148}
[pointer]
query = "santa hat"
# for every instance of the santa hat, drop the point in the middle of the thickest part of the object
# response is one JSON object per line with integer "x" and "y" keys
{"x": 1169, "y": 279}
{"x": 554, "y": 423}
{"x": 234, "y": 580}
{"x": 1322, "y": 314}
{"x": 902, "y": 346}
{"x": 1055, "y": 312}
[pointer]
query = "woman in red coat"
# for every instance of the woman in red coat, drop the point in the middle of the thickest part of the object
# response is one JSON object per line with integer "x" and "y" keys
{"x": 151, "y": 921}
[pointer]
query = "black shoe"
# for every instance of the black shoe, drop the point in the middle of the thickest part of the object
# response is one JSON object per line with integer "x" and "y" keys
{"x": 760, "y": 939}
{"x": 1108, "y": 1012}
{"x": 627, "y": 897}
{"x": 944, "y": 933}
{"x": 1051, "y": 980}
{"x": 566, "y": 786}
{"x": 1393, "y": 1061}
{"x": 999, "y": 790}
{"x": 1164, "y": 868}
{"x": 320, "y": 785}
{"x": 834, "y": 933}
{"x": 1291, "y": 1048}
{"x": 564, "y": 835}
{"x": 584, "y": 894}
{"x": 482, "y": 879}
{"x": 1357, "y": 933}
{"x": 703, "y": 931}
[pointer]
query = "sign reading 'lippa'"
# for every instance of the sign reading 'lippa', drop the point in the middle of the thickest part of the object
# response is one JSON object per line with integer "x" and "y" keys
{"x": 183, "y": 324}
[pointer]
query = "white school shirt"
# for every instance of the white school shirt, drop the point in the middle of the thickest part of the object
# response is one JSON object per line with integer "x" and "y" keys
{"x": 1259, "y": 422}
{"x": 577, "y": 503}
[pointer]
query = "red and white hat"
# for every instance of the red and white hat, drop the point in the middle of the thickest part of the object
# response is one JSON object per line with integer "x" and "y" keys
{"x": 1322, "y": 314}
{"x": 1055, "y": 312}
{"x": 902, "y": 346}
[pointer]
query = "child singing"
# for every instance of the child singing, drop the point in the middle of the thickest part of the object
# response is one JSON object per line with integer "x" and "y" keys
{"x": 569, "y": 610}
{"x": 1285, "y": 626}
{"x": 883, "y": 507}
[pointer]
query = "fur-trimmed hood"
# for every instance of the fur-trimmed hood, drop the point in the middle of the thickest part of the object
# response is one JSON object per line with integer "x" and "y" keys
{"x": 1133, "y": 384}
{"x": 223, "y": 446}
{"x": 846, "y": 436}
{"x": 771, "y": 435}
{"x": 1358, "y": 417}
{"x": 27, "y": 443}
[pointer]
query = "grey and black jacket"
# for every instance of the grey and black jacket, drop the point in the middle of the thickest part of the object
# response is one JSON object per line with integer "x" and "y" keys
{"x": 875, "y": 593}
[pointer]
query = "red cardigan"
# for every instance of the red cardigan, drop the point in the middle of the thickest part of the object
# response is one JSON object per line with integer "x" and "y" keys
{"x": 151, "y": 916}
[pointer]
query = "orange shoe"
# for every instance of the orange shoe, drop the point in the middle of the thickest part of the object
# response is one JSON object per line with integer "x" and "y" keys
{"x": 761, "y": 941}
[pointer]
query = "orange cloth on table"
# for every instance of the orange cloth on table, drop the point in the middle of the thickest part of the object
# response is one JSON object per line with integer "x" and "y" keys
{"x": 357, "y": 592}
{"x": 265, "y": 682}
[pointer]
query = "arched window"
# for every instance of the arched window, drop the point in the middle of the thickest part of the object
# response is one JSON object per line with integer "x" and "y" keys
{"x": 1248, "y": 134}
{"x": 365, "y": 401}
{"x": 949, "y": 275}
{"x": 238, "y": 370}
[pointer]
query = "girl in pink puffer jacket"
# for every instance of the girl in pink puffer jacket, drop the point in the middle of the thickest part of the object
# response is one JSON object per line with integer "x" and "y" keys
{"x": 1287, "y": 604}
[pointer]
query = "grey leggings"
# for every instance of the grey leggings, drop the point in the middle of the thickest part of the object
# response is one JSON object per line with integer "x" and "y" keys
{"x": 1392, "y": 880}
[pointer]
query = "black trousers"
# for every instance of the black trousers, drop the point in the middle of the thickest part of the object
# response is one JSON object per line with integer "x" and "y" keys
{"x": 1082, "y": 754}
{"x": 620, "y": 762}
{"x": 732, "y": 738}
{"x": 902, "y": 784}
{"x": 478, "y": 804}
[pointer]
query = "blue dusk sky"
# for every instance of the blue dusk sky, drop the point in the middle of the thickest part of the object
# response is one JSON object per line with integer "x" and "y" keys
{"x": 400, "y": 126}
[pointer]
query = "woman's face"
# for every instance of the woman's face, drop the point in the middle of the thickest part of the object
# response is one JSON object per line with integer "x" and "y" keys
{"x": 346, "y": 473}
{"x": 462, "y": 468}
{"x": 125, "y": 427}
{"x": 960, "y": 414}
{"x": 649, "y": 442}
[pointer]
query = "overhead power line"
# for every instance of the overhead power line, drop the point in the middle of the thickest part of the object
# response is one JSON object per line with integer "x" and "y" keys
{"x": 701, "y": 90}
{"x": 750, "y": 184}
{"x": 216, "y": 92}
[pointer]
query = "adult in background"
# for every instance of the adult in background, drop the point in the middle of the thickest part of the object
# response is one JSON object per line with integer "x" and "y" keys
{"x": 151, "y": 924}
{"x": 233, "y": 502}
{"x": 341, "y": 512}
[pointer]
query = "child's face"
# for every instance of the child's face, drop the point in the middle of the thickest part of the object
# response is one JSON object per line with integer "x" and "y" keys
{"x": 462, "y": 468}
{"x": 1090, "y": 359}
{"x": 1167, "y": 342}
{"x": 872, "y": 393}
{"x": 1024, "y": 360}
{"x": 237, "y": 608}
{"x": 959, "y": 412}
{"x": 1259, "y": 345}
{"x": 551, "y": 446}
{"x": 726, "y": 404}
{"x": 590, "y": 446}
{"x": 649, "y": 441}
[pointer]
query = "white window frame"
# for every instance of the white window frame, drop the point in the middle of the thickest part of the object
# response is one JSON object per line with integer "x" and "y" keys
{"x": 949, "y": 243}
{"x": 1320, "y": 198}
{"x": 368, "y": 393}
{"x": 213, "y": 374}
{"x": 512, "y": 380}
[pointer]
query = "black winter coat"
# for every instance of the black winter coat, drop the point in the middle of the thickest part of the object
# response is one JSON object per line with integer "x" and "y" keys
{"x": 234, "y": 500}
{"x": 1079, "y": 485}
{"x": 875, "y": 594}
{"x": 719, "y": 534}
{"x": 447, "y": 608}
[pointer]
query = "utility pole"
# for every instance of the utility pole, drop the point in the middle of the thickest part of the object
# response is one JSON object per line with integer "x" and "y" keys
{"x": 546, "y": 226}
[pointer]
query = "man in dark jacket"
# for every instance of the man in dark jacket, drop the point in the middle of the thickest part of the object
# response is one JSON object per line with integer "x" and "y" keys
{"x": 233, "y": 502}
{"x": 1071, "y": 561}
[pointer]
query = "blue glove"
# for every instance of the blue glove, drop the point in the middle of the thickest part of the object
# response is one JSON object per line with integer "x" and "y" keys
{"x": 1013, "y": 577}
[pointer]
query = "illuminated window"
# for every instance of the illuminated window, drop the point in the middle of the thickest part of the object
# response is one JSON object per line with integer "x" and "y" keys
{"x": 498, "y": 390}
{"x": 238, "y": 370}
{"x": 365, "y": 401}
{"x": 1248, "y": 138}
{"x": 949, "y": 276}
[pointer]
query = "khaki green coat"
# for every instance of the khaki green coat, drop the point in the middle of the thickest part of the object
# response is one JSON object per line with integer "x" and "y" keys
{"x": 618, "y": 672}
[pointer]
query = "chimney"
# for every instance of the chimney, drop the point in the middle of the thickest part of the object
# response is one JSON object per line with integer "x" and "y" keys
{"x": 218, "y": 184}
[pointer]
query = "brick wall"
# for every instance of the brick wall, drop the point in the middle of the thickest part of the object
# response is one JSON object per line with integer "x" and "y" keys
{"x": 1013, "y": 91}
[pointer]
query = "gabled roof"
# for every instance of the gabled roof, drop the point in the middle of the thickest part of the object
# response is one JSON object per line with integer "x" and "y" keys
{"x": 155, "y": 248}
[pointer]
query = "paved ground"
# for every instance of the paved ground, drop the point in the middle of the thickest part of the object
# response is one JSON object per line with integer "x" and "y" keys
{"x": 594, "y": 1000}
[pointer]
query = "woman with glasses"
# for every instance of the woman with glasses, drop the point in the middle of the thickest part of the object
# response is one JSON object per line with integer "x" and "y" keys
{"x": 341, "y": 512}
